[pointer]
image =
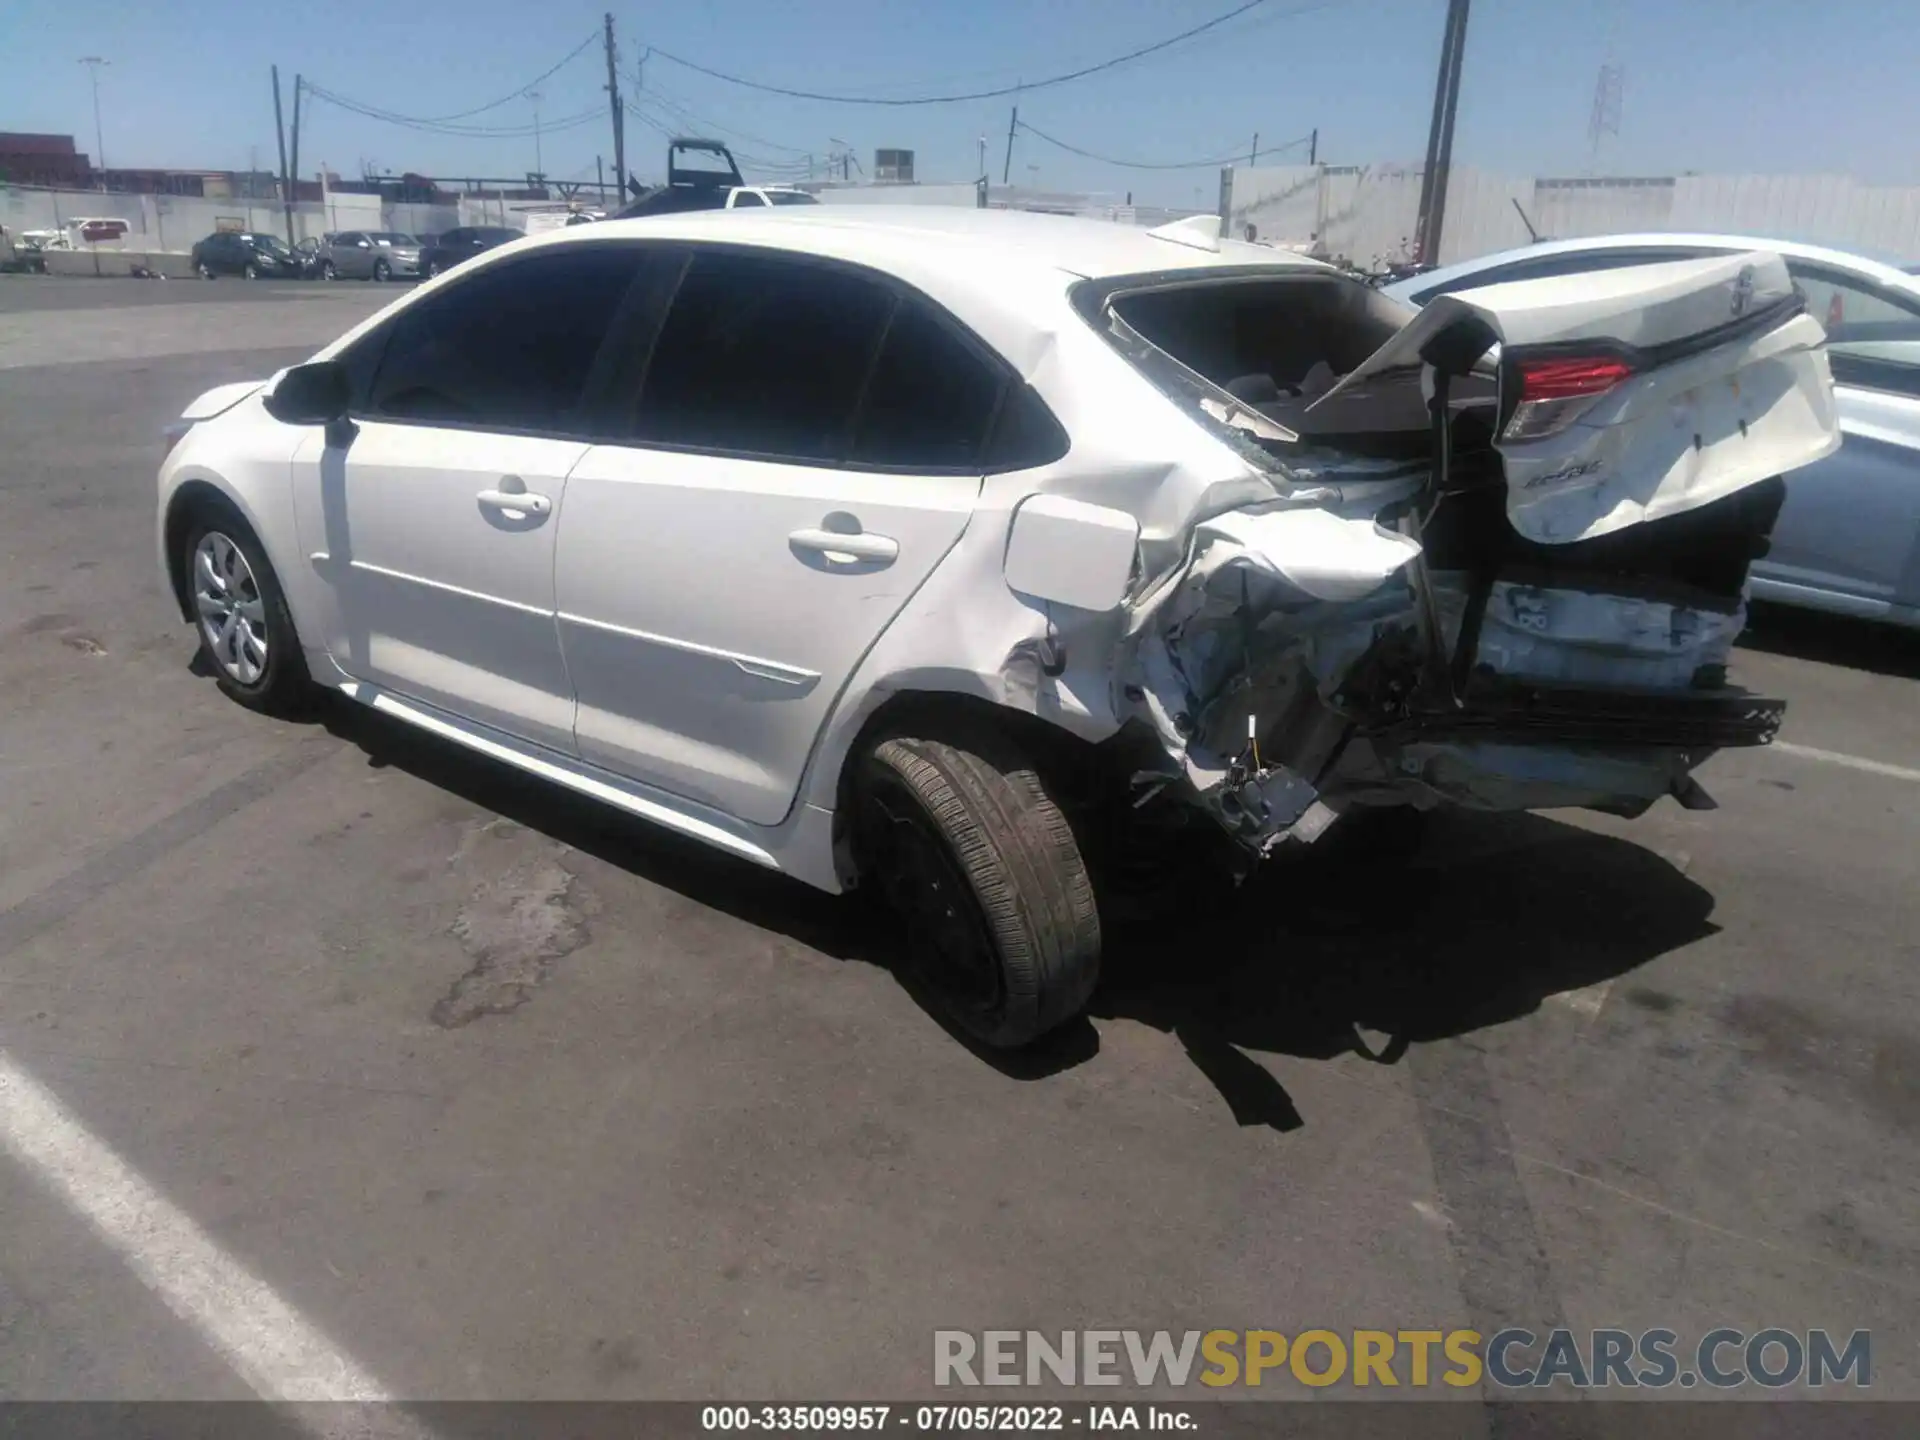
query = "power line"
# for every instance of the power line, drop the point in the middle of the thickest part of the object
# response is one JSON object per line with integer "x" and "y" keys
{"x": 1016, "y": 89}
{"x": 378, "y": 113}
{"x": 1232, "y": 159}
{"x": 433, "y": 127}
{"x": 678, "y": 108}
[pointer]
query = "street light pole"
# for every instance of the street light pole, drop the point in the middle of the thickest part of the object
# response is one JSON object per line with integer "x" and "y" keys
{"x": 93, "y": 64}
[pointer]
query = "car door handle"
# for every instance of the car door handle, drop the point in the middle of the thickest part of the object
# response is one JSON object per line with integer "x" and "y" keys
{"x": 840, "y": 546}
{"x": 520, "y": 500}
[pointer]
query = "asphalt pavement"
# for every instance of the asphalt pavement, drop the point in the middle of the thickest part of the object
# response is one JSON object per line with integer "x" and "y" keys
{"x": 499, "y": 1095}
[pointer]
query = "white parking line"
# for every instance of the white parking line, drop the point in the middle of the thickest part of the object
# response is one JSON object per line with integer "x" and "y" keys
{"x": 282, "y": 1357}
{"x": 1851, "y": 762}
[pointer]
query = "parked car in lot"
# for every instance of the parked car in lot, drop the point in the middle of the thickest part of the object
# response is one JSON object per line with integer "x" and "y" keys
{"x": 453, "y": 247}
{"x": 378, "y": 255}
{"x": 926, "y": 549}
{"x": 248, "y": 253}
{"x": 1848, "y": 540}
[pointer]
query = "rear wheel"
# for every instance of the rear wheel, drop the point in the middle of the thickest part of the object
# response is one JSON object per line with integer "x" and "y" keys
{"x": 203, "y": 270}
{"x": 433, "y": 268}
{"x": 252, "y": 272}
{"x": 976, "y": 857}
{"x": 381, "y": 271}
{"x": 246, "y": 630}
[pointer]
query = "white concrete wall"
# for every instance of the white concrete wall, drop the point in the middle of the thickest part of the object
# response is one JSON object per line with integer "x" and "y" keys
{"x": 1367, "y": 212}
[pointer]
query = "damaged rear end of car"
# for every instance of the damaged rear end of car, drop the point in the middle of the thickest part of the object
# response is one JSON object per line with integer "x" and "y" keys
{"x": 1501, "y": 555}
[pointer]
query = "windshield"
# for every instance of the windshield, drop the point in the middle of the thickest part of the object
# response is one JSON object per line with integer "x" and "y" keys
{"x": 271, "y": 243}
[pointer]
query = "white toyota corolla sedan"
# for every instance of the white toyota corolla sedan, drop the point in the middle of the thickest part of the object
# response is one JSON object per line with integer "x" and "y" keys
{"x": 933, "y": 547}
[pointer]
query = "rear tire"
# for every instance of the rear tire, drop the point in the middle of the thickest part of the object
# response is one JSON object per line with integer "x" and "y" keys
{"x": 970, "y": 849}
{"x": 203, "y": 270}
{"x": 240, "y": 614}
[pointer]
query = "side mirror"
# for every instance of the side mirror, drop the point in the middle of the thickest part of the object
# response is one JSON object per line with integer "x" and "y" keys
{"x": 1071, "y": 553}
{"x": 313, "y": 394}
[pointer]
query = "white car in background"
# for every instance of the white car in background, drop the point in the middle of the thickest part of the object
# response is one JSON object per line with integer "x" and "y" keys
{"x": 1848, "y": 540}
{"x": 752, "y": 197}
{"x": 928, "y": 548}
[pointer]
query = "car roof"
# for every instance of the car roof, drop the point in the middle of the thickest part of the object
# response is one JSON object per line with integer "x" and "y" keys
{"x": 885, "y": 236}
{"x": 1793, "y": 249}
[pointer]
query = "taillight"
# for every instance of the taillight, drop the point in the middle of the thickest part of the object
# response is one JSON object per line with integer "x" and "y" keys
{"x": 1555, "y": 393}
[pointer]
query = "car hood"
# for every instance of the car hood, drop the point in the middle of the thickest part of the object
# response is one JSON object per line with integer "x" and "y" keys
{"x": 220, "y": 399}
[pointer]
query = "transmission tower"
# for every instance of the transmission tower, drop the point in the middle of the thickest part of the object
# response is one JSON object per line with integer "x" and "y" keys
{"x": 1607, "y": 94}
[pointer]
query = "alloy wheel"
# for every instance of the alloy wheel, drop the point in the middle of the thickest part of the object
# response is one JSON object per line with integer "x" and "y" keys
{"x": 233, "y": 615}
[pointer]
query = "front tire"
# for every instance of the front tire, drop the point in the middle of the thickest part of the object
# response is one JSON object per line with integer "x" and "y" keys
{"x": 327, "y": 271}
{"x": 381, "y": 272}
{"x": 204, "y": 270}
{"x": 252, "y": 272}
{"x": 974, "y": 854}
{"x": 246, "y": 631}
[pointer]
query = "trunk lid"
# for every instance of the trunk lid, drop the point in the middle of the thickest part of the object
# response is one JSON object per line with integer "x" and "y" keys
{"x": 1632, "y": 394}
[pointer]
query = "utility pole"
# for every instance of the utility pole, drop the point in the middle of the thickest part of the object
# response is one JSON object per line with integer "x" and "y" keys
{"x": 1006, "y": 170}
{"x": 1313, "y": 147}
{"x": 93, "y": 64}
{"x": 618, "y": 114}
{"x": 539, "y": 165}
{"x": 1446, "y": 100}
{"x": 293, "y": 150}
{"x": 1254, "y": 153}
{"x": 600, "y": 180}
{"x": 280, "y": 134}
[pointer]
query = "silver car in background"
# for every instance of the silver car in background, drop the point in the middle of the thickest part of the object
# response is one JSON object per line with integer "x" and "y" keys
{"x": 370, "y": 255}
{"x": 1848, "y": 540}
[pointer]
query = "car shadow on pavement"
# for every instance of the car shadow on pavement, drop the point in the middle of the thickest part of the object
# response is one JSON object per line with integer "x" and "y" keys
{"x": 1488, "y": 916}
{"x": 827, "y": 923}
{"x": 1797, "y": 634}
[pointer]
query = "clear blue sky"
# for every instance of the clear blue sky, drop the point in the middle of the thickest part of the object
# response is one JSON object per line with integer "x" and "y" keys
{"x": 1716, "y": 85}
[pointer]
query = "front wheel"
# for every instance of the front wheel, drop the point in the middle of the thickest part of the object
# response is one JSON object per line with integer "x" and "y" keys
{"x": 978, "y": 859}
{"x": 203, "y": 270}
{"x": 381, "y": 272}
{"x": 246, "y": 630}
{"x": 252, "y": 272}
{"x": 327, "y": 271}
{"x": 433, "y": 268}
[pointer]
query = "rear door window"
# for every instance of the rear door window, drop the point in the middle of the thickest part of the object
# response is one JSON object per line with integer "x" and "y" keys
{"x": 932, "y": 397}
{"x": 761, "y": 355}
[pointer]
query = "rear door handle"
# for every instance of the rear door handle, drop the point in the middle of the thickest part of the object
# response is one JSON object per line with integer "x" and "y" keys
{"x": 515, "y": 500}
{"x": 845, "y": 548}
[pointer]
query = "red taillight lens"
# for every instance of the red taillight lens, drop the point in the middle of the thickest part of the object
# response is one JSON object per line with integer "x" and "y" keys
{"x": 1554, "y": 393}
{"x": 1562, "y": 379}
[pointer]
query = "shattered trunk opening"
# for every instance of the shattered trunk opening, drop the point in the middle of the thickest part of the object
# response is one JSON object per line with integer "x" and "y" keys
{"x": 1505, "y": 555}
